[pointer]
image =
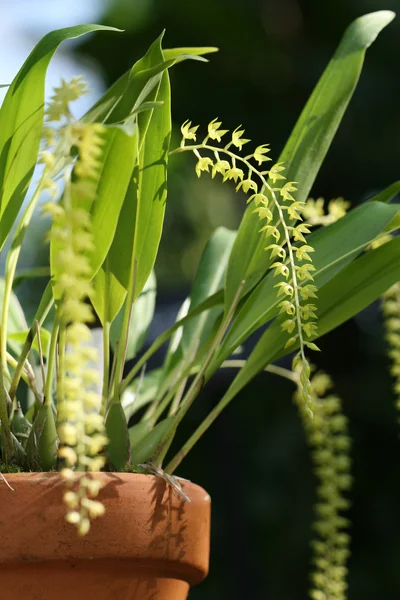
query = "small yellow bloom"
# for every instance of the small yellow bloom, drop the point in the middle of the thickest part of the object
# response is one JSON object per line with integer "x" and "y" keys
{"x": 274, "y": 172}
{"x": 203, "y": 164}
{"x": 189, "y": 132}
{"x": 260, "y": 152}
{"x": 221, "y": 166}
{"x": 246, "y": 185}
{"x": 233, "y": 173}
{"x": 258, "y": 199}
{"x": 263, "y": 212}
{"x": 214, "y": 131}
{"x": 288, "y": 325}
{"x": 237, "y": 139}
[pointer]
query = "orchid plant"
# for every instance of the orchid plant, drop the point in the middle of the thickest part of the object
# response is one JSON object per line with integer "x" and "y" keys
{"x": 292, "y": 270}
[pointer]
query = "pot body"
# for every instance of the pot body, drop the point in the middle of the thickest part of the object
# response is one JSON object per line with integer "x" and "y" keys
{"x": 150, "y": 544}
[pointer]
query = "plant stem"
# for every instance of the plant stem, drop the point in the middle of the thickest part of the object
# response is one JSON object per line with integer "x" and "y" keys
{"x": 156, "y": 345}
{"x": 106, "y": 366}
{"x": 123, "y": 342}
{"x": 51, "y": 360}
{"x": 45, "y": 305}
{"x": 198, "y": 381}
{"x": 275, "y": 369}
{"x": 62, "y": 342}
{"x": 11, "y": 265}
{"x": 27, "y": 375}
{"x": 7, "y": 444}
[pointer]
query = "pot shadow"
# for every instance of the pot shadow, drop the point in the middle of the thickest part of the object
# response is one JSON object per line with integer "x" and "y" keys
{"x": 168, "y": 509}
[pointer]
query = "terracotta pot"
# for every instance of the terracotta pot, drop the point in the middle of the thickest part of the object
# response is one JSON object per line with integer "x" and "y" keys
{"x": 150, "y": 545}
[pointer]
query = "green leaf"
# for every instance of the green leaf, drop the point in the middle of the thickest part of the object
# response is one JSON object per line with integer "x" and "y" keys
{"x": 16, "y": 317}
{"x": 118, "y": 448}
{"x": 18, "y": 340}
{"x": 118, "y": 160}
{"x": 182, "y": 53}
{"x": 335, "y": 246}
{"x": 308, "y": 144}
{"x": 21, "y": 427}
{"x": 41, "y": 448}
{"x": 153, "y": 443}
{"x": 387, "y": 194}
{"x": 141, "y": 391}
{"x": 142, "y": 316}
{"x": 139, "y": 431}
{"x": 21, "y": 119}
{"x": 209, "y": 279}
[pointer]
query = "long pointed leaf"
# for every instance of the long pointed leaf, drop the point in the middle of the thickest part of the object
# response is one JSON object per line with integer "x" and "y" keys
{"x": 21, "y": 118}
{"x": 308, "y": 143}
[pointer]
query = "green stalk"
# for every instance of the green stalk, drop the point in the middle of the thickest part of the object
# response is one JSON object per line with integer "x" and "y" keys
{"x": 106, "y": 347}
{"x": 164, "y": 337}
{"x": 198, "y": 380}
{"x": 62, "y": 342}
{"x": 44, "y": 307}
{"x": 51, "y": 361}
{"x": 123, "y": 342}
{"x": 11, "y": 265}
{"x": 7, "y": 444}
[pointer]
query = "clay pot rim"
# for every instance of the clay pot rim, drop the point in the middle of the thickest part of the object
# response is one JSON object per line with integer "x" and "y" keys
{"x": 145, "y": 522}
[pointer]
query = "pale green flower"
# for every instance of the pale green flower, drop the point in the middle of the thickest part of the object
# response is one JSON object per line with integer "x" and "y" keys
{"x": 274, "y": 172}
{"x": 237, "y": 139}
{"x": 189, "y": 132}
{"x": 246, "y": 185}
{"x": 259, "y": 153}
{"x": 203, "y": 164}
{"x": 214, "y": 131}
{"x": 233, "y": 173}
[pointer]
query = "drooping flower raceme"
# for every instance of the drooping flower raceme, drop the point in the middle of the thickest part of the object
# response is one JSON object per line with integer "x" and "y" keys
{"x": 281, "y": 215}
{"x": 327, "y": 435}
{"x": 80, "y": 425}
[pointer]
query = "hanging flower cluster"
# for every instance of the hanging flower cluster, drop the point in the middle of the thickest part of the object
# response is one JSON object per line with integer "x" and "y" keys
{"x": 314, "y": 211}
{"x": 327, "y": 434}
{"x": 80, "y": 425}
{"x": 283, "y": 228}
{"x": 391, "y": 312}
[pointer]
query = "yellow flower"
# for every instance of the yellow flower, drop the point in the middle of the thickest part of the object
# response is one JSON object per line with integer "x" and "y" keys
{"x": 246, "y": 185}
{"x": 276, "y": 251}
{"x": 286, "y": 189}
{"x": 280, "y": 269}
{"x": 288, "y": 325}
{"x": 221, "y": 166}
{"x": 234, "y": 173}
{"x": 302, "y": 253}
{"x": 237, "y": 139}
{"x": 263, "y": 212}
{"x": 287, "y": 307}
{"x": 214, "y": 131}
{"x": 309, "y": 329}
{"x": 284, "y": 288}
{"x": 274, "y": 172}
{"x": 189, "y": 132}
{"x": 203, "y": 164}
{"x": 259, "y": 153}
{"x": 258, "y": 199}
